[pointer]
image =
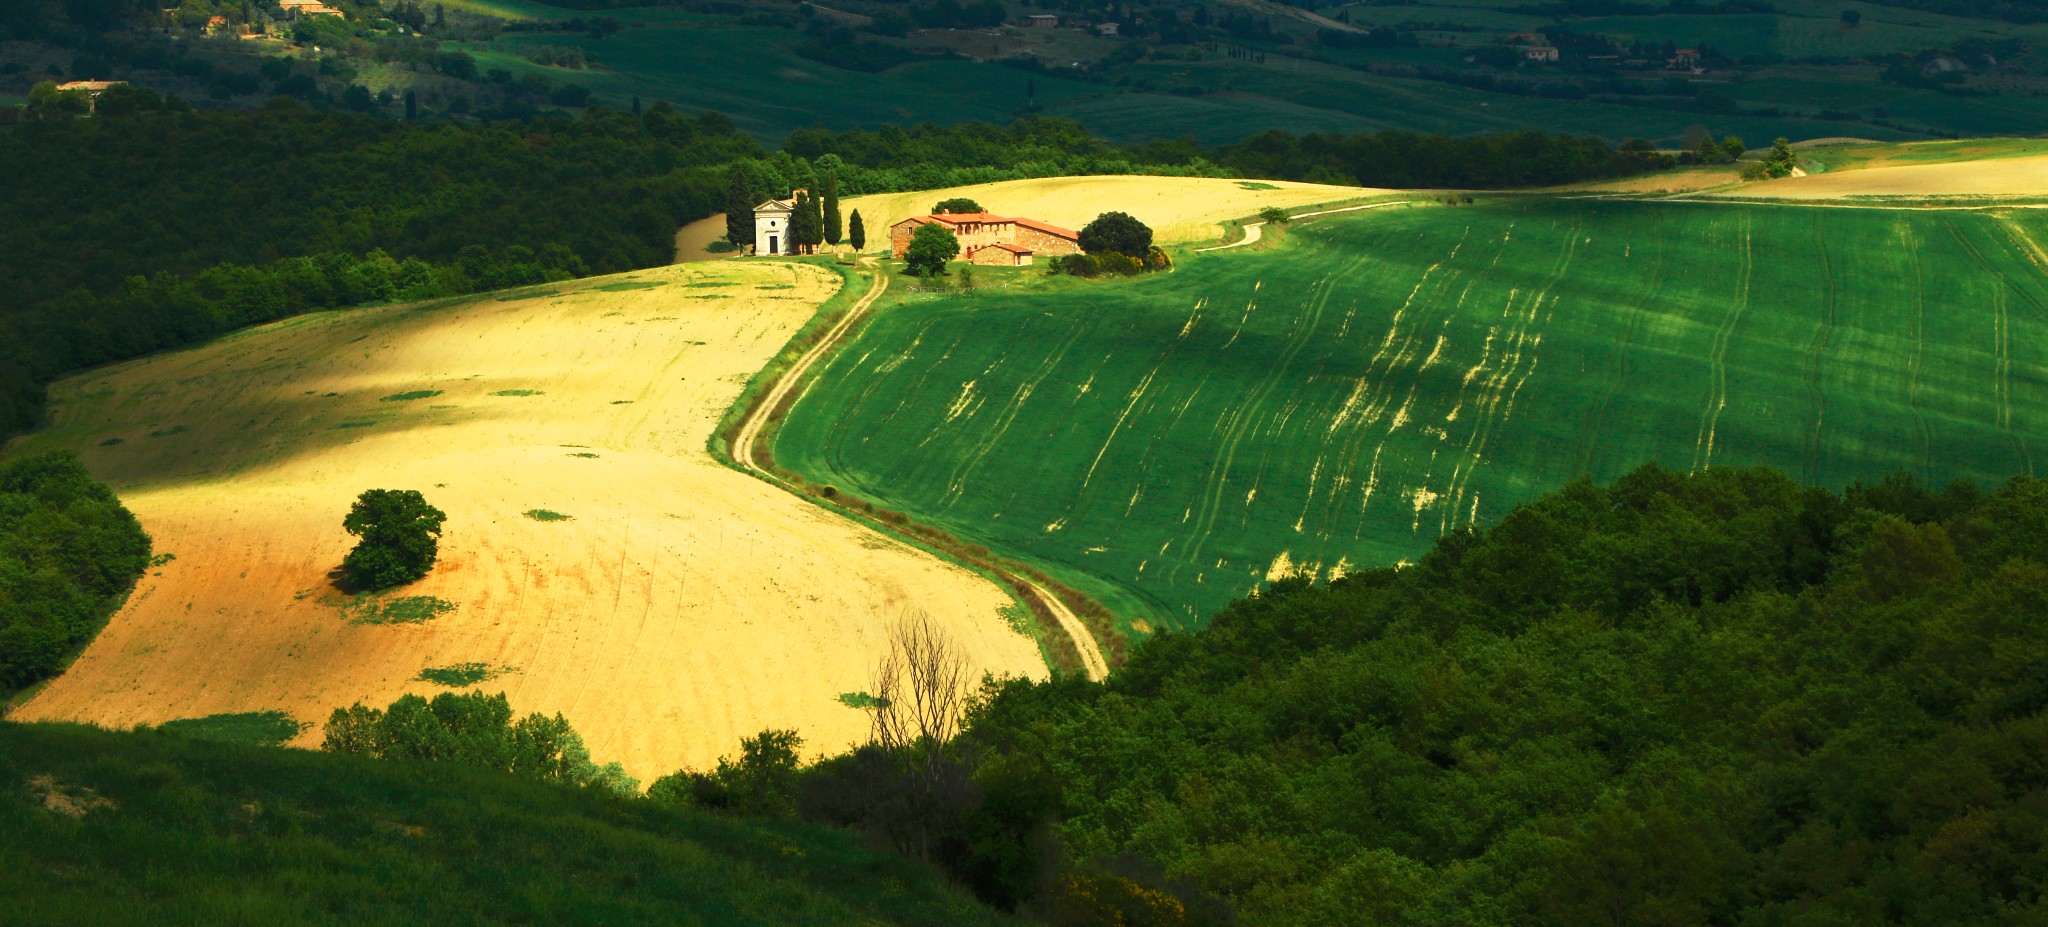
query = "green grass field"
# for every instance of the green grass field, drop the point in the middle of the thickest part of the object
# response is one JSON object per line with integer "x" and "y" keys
{"x": 1370, "y": 383}
{"x": 115, "y": 829}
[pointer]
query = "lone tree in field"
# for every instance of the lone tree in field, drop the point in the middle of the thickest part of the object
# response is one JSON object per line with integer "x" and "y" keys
{"x": 1118, "y": 232}
{"x": 833, "y": 225}
{"x": 401, "y": 537}
{"x": 957, "y": 204}
{"x": 739, "y": 209}
{"x": 931, "y": 246}
{"x": 856, "y": 232}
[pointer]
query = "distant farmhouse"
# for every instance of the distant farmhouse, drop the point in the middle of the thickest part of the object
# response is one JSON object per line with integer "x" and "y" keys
{"x": 771, "y": 224}
{"x": 1042, "y": 20}
{"x": 92, "y": 89}
{"x": 990, "y": 239}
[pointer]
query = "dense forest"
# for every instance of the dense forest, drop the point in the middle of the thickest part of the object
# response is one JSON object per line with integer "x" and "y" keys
{"x": 69, "y": 553}
{"x": 1722, "y": 698}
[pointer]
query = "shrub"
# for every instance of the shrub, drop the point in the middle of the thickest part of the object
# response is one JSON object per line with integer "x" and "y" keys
{"x": 956, "y": 204}
{"x": 472, "y": 729}
{"x": 760, "y": 782}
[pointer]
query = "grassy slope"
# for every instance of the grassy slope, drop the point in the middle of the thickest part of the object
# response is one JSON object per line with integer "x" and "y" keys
{"x": 1374, "y": 381}
{"x": 223, "y": 834}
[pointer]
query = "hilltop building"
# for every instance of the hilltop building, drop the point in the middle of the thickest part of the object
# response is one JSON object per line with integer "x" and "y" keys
{"x": 92, "y": 89}
{"x": 985, "y": 238}
{"x": 771, "y": 224}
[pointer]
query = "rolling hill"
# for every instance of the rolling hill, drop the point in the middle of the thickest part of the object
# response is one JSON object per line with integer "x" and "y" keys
{"x": 1341, "y": 398}
{"x": 596, "y": 561}
{"x": 114, "y": 829}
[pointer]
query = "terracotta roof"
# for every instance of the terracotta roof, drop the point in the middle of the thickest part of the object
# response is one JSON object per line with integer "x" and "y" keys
{"x": 1006, "y": 246}
{"x": 956, "y": 218}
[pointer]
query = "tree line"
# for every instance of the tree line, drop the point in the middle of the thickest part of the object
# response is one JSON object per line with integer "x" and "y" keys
{"x": 69, "y": 554}
{"x": 1714, "y": 698}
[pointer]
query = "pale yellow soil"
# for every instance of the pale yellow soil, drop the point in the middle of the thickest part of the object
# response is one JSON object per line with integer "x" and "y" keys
{"x": 1682, "y": 180}
{"x": 684, "y": 607}
{"x": 1177, "y": 208}
{"x": 2008, "y": 176}
{"x": 691, "y": 239}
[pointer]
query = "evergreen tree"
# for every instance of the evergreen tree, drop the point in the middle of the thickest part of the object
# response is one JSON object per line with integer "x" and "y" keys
{"x": 739, "y": 208}
{"x": 802, "y": 232}
{"x": 831, "y": 226}
{"x": 856, "y": 232}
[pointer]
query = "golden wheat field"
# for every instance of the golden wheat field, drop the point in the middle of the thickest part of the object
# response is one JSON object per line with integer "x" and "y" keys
{"x": 2025, "y": 176}
{"x": 679, "y": 606}
{"x": 1177, "y": 208}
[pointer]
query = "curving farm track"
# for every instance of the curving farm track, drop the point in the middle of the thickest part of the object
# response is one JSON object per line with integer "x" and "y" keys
{"x": 747, "y": 439}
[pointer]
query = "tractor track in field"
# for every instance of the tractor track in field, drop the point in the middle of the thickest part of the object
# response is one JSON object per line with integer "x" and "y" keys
{"x": 1717, "y": 360}
{"x": 1923, "y": 432}
{"x": 745, "y": 452}
{"x": 2001, "y": 328}
{"x": 1815, "y": 354}
{"x": 1597, "y": 419}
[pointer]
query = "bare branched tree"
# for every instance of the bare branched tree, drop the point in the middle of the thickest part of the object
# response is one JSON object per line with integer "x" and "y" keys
{"x": 920, "y": 688}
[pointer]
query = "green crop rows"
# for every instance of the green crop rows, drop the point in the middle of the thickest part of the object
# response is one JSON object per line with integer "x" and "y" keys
{"x": 1379, "y": 380}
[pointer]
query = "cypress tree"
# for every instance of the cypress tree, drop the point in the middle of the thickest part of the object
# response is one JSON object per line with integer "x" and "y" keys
{"x": 856, "y": 233}
{"x": 739, "y": 208}
{"x": 830, "y": 231}
{"x": 800, "y": 229}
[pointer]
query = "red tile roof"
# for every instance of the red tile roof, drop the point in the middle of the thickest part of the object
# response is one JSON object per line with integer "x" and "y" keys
{"x": 1006, "y": 246}
{"x": 957, "y": 218}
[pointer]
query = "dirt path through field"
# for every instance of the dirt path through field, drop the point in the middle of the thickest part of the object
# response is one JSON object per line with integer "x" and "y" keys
{"x": 681, "y": 607}
{"x": 746, "y": 441}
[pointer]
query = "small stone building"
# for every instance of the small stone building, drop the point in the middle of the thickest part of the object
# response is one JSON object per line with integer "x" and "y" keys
{"x": 979, "y": 230}
{"x": 771, "y": 224}
{"x": 1001, "y": 255}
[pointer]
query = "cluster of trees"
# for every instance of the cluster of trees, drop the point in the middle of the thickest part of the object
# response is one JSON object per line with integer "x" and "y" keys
{"x": 1708, "y": 151}
{"x": 69, "y": 553}
{"x": 1408, "y": 159}
{"x": 1712, "y": 698}
{"x": 473, "y": 729}
{"x": 1778, "y": 163}
{"x": 1113, "y": 243}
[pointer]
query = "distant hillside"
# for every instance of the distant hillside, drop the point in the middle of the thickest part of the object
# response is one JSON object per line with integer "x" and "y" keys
{"x": 113, "y": 828}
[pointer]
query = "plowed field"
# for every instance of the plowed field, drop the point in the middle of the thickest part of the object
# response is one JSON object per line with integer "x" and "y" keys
{"x": 680, "y": 607}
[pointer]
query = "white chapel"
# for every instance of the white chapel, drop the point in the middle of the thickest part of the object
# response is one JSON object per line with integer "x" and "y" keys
{"x": 771, "y": 224}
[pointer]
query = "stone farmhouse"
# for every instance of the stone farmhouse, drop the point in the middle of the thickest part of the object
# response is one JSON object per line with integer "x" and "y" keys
{"x": 1002, "y": 241}
{"x": 771, "y": 224}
